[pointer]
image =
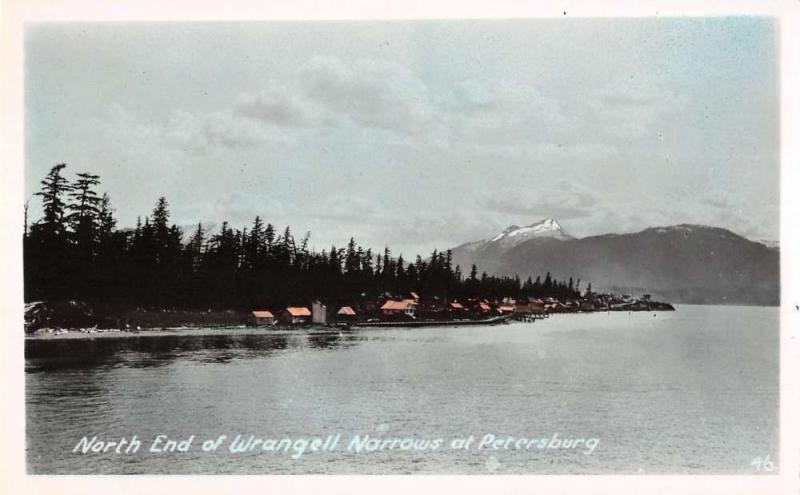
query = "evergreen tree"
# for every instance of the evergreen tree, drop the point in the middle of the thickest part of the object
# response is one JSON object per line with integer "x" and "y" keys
{"x": 105, "y": 218}
{"x": 269, "y": 236}
{"x": 351, "y": 261}
{"x": 84, "y": 209}
{"x": 47, "y": 273}
{"x": 85, "y": 206}
{"x": 255, "y": 245}
{"x": 195, "y": 246}
{"x": 75, "y": 251}
{"x": 54, "y": 187}
{"x": 25, "y": 222}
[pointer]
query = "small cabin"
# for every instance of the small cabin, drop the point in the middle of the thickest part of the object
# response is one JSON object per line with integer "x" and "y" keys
{"x": 296, "y": 315}
{"x": 506, "y": 309}
{"x": 530, "y": 308}
{"x": 456, "y": 307}
{"x": 346, "y": 313}
{"x": 262, "y": 318}
{"x": 405, "y": 307}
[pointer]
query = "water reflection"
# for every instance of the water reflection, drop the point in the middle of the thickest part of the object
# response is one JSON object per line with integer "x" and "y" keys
{"x": 626, "y": 380}
{"x": 43, "y": 355}
{"x": 324, "y": 341}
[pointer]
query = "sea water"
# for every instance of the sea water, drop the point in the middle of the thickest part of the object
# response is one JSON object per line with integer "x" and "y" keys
{"x": 690, "y": 391}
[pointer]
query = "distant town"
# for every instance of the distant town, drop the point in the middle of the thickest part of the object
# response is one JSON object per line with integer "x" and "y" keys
{"x": 412, "y": 310}
{"x": 415, "y": 310}
{"x": 81, "y": 271}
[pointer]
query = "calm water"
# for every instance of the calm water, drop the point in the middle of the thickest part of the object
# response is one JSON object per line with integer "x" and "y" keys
{"x": 694, "y": 391}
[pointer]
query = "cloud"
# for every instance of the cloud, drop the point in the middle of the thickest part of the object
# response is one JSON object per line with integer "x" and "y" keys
{"x": 536, "y": 210}
{"x": 273, "y": 104}
{"x": 498, "y": 112}
{"x": 624, "y": 100}
{"x": 370, "y": 92}
{"x": 327, "y": 92}
{"x": 347, "y": 208}
{"x": 368, "y": 95}
{"x": 564, "y": 201}
{"x": 201, "y": 134}
{"x": 716, "y": 200}
{"x": 421, "y": 232}
{"x": 630, "y": 109}
{"x": 215, "y": 132}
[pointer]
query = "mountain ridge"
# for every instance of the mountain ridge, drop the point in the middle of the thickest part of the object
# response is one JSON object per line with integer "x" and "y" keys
{"x": 684, "y": 263}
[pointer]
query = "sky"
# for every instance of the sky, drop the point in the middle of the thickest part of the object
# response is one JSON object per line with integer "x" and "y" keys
{"x": 418, "y": 134}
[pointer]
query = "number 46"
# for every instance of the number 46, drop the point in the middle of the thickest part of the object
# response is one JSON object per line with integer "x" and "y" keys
{"x": 764, "y": 464}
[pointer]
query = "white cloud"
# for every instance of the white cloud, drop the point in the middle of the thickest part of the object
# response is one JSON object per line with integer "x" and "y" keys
{"x": 212, "y": 132}
{"x": 630, "y": 109}
{"x": 326, "y": 92}
{"x": 369, "y": 95}
{"x": 563, "y": 200}
{"x": 312, "y": 129}
{"x": 274, "y": 104}
{"x": 370, "y": 92}
{"x": 498, "y": 112}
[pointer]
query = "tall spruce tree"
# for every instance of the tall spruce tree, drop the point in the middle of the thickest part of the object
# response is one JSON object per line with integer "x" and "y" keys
{"x": 47, "y": 271}
{"x": 245, "y": 268}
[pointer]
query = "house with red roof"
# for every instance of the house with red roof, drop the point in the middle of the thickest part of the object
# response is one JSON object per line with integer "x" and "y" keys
{"x": 394, "y": 308}
{"x": 262, "y": 318}
{"x": 296, "y": 315}
{"x": 455, "y": 305}
{"x": 346, "y": 313}
{"x": 506, "y": 309}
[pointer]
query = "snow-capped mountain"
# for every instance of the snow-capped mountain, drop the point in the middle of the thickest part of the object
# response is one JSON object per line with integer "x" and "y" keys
{"x": 771, "y": 244}
{"x": 515, "y": 235}
{"x": 680, "y": 263}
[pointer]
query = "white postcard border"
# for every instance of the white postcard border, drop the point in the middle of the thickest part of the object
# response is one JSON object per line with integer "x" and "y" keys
{"x": 15, "y": 13}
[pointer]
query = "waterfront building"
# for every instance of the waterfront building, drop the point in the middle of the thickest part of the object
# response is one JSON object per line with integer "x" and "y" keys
{"x": 506, "y": 309}
{"x": 319, "y": 313}
{"x": 346, "y": 313}
{"x": 530, "y": 307}
{"x": 262, "y": 317}
{"x": 405, "y": 307}
{"x": 456, "y": 307}
{"x": 296, "y": 315}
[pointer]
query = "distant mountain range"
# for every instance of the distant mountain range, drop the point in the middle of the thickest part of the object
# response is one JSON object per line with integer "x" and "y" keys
{"x": 680, "y": 264}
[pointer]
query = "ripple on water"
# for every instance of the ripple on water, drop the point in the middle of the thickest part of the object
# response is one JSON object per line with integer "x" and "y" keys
{"x": 695, "y": 391}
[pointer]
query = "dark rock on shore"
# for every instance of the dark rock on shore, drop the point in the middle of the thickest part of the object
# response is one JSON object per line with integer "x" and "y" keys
{"x": 77, "y": 314}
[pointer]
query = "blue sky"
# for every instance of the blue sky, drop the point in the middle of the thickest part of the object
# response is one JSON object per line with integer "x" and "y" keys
{"x": 416, "y": 134}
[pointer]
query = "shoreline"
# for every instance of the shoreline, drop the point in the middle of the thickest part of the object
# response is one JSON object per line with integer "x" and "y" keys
{"x": 182, "y": 331}
{"x": 64, "y": 334}
{"x": 277, "y": 330}
{"x": 59, "y": 318}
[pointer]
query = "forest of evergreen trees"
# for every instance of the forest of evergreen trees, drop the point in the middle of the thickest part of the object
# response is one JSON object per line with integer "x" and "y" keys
{"x": 76, "y": 252}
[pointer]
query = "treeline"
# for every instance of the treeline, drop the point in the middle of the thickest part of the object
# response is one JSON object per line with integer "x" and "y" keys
{"x": 75, "y": 251}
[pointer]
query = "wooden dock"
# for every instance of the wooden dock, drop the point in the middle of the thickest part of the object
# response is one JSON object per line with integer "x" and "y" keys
{"x": 434, "y": 323}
